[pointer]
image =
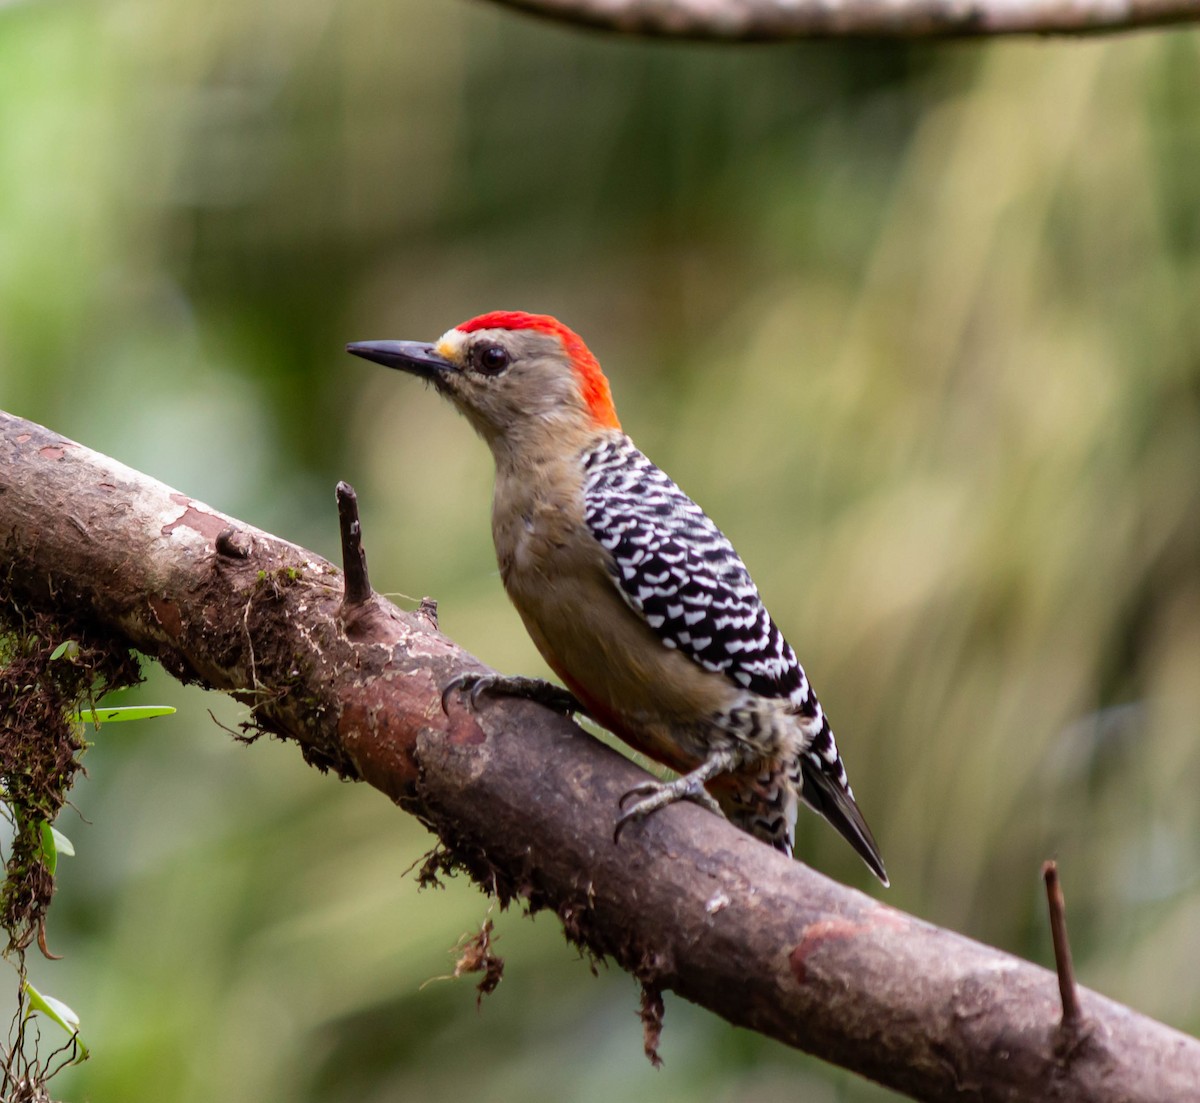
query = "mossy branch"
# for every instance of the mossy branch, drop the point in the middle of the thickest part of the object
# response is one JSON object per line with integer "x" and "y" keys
{"x": 525, "y": 801}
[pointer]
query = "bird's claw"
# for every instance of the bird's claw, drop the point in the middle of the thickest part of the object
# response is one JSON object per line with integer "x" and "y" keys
{"x": 654, "y": 795}
{"x": 533, "y": 689}
{"x": 467, "y": 681}
{"x": 643, "y": 790}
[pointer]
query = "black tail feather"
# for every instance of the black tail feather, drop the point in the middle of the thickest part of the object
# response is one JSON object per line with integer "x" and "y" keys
{"x": 824, "y": 790}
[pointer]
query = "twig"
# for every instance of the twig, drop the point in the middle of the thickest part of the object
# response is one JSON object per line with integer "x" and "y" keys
{"x": 354, "y": 557}
{"x": 429, "y": 610}
{"x": 1072, "y": 1013}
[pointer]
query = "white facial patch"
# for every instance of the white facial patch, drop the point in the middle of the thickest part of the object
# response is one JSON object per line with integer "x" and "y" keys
{"x": 450, "y": 345}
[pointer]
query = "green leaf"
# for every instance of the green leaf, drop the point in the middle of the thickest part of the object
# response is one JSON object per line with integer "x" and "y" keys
{"x": 49, "y": 848}
{"x": 118, "y": 714}
{"x": 58, "y": 1012}
{"x": 67, "y": 649}
{"x": 62, "y": 844}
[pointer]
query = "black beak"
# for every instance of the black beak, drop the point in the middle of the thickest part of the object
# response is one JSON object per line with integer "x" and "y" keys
{"x": 410, "y": 356}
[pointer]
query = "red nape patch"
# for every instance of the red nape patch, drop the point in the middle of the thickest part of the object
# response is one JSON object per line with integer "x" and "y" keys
{"x": 592, "y": 382}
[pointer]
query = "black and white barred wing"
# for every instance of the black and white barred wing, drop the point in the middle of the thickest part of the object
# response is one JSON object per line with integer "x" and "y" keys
{"x": 678, "y": 570}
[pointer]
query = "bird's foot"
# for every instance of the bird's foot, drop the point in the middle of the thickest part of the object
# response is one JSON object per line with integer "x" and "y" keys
{"x": 533, "y": 689}
{"x": 653, "y": 795}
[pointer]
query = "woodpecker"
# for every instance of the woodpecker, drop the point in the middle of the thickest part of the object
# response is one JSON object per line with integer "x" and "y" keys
{"x": 633, "y": 596}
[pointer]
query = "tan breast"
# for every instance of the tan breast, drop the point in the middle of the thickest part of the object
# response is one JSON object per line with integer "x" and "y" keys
{"x": 554, "y": 571}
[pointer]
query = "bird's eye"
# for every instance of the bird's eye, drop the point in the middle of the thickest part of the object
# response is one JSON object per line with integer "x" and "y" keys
{"x": 492, "y": 359}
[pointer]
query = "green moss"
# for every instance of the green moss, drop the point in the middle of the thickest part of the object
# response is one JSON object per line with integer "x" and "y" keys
{"x": 43, "y": 685}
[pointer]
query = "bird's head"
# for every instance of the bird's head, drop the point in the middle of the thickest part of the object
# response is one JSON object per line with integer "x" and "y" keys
{"x": 515, "y": 376}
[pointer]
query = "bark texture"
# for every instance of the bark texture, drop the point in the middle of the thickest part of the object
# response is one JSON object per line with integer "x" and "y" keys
{"x": 777, "y": 20}
{"x": 526, "y": 801}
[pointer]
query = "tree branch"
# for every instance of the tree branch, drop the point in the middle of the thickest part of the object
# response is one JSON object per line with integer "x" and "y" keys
{"x": 777, "y": 20}
{"x": 525, "y": 801}
{"x": 1072, "y": 1015}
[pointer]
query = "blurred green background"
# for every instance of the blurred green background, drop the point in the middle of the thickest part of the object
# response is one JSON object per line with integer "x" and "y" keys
{"x": 919, "y": 326}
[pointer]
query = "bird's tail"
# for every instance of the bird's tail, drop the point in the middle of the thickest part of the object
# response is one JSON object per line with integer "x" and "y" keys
{"x": 823, "y": 786}
{"x": 764, "y": 807}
